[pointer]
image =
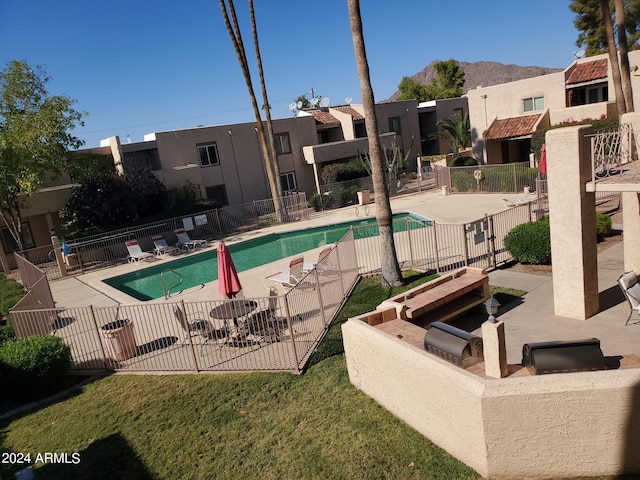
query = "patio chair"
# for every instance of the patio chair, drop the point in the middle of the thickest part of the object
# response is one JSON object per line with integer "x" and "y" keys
{"x": 135, "y": 252}
{"x": 161, "y": 246}
{"x": 184, "y": 241}
{"x": 631, "y": 288}
{"x": 287, "y": 280}
{"x": 202, "y": 328}
{"x": 264, "y": 325}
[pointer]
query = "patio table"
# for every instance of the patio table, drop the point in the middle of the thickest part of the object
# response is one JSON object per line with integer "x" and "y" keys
{"x": 233, "y": 309}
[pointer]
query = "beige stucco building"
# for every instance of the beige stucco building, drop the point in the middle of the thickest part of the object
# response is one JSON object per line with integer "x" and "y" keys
{"x": 504, "y": 117}
{"x": 226, "y": 164}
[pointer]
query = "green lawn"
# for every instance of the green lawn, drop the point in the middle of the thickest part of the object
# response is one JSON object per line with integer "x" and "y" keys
{"x": 254, "y": 425}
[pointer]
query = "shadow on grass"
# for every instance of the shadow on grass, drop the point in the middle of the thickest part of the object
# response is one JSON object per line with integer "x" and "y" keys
{"x": 366, "y": 296}
{"x": 107, "y": 458}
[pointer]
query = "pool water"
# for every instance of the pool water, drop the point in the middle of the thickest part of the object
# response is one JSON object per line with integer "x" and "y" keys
{"x": 146, "y": 284}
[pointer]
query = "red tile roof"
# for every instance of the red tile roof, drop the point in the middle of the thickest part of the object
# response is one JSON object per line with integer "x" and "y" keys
{"x": 512, "y": 127}
{"x": 324, "y": 118}
{"x": 351, "y": 111}
{"x": 587, "y": 72}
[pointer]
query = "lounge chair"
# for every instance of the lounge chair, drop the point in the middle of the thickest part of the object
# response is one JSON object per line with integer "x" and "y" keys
{"x": 631, "y": 288}
{"x": 185, "y": 242}
{"x": 162, "y": 247}
{"x": 288, "y": 279}
{"x": 308, "y": 266}
{"x": 517, "y": 201}
{"x": 202, "y": 328}
{"x": 135, "y": 252}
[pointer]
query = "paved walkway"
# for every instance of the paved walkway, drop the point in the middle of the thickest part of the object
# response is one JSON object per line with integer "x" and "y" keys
{"x": 530, "y": 320}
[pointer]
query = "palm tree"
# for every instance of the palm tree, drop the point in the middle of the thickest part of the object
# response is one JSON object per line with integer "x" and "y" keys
{"x": 613, "y": 57}
{"x": 391, "y": 274}
{"x": 456, "y": 131}
{"x": 265, "y": 98}
{"x": 625, "y": 71}
{"x": 267, "y": 155}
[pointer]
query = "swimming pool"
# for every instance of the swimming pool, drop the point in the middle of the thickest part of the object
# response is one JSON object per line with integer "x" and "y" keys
{"x": 146, "y": 284}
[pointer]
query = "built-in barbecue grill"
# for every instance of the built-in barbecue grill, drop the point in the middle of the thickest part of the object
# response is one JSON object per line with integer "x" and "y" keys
{"x": 563, "y": 356}
{"x": 452, "y": 344}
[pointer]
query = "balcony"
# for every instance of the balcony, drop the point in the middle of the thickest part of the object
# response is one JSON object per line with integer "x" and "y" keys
{"x": 330, "y": 152}
{"x": 613, "y": 168}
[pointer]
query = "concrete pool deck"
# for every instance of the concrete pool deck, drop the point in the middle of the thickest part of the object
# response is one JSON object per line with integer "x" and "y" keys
{"x": 530, "y": 320}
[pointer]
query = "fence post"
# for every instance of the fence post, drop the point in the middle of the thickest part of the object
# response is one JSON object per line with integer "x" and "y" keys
{"x": 410, "y": 245}
{"x": 492, "y": 240}
{"x": 435, "y": 246}
{"x": 342, "y": 289}
{"x": 290, "y": 327}
{"x": 466, "y": 244}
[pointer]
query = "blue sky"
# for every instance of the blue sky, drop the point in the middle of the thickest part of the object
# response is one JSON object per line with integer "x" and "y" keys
{"x": 139, "y": 66}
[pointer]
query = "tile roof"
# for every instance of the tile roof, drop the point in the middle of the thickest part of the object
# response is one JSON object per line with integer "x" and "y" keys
{"x": 587, "y": 72}
{"x": 324, "y": 118}
{"x": 512, "y": 127}
{"x": 351, "y": 111}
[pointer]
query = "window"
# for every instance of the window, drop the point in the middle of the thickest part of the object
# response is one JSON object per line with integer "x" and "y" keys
{"x": 208, "y": 155}
{"x": 533, "y": 104}
{"x": 360, "y": 129}
{"x": 217, "y": 193}
{"x": 282, "y": 143}
{"x": 395, "y": 125}
{"x": 288, "y": 181}
{"x": 10, "y": 245}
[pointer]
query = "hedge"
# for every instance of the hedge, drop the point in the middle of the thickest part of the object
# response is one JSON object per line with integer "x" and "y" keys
{"x": 33, "y": 365}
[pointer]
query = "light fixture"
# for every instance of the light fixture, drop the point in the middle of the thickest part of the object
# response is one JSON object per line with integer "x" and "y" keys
{"x": 492, "y": 306}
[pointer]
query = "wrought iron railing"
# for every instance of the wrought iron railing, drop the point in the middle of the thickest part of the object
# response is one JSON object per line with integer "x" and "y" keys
{"x": 610, "y": 150}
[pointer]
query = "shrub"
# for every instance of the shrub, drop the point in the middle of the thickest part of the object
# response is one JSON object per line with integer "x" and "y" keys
{"x": 530, "y": 242}
{"x": 603, "y": 225}
{"x": 10, "y": 293}
{"x": 463, "y": 161}
{"x": 33, "y": 365}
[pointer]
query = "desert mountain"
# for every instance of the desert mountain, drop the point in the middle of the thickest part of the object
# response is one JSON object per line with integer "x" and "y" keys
{"x": 484, "y": 74}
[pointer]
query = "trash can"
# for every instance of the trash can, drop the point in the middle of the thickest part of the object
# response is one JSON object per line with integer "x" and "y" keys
{"x": 445, "y": 190}
{"x": 120, "y": 339}
{"x": 364, "y": 197}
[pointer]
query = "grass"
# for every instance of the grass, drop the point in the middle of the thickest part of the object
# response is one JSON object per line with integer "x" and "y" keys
{"x": 266, "y": 425}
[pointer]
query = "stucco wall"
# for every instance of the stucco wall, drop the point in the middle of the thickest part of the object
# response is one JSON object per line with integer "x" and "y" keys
{"x": 515, "y": 427}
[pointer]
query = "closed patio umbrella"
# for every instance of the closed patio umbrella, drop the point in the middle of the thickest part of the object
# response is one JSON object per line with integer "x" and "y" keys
{"x": 228, "y": 281}
{"x": 542, "y": 167}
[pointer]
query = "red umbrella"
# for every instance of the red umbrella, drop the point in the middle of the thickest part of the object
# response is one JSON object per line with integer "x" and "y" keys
{"x": 542, "y": 167}
{"x": 228, "y": 281}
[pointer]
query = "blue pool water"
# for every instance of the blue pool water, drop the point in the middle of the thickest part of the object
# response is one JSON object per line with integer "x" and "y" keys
{"x": 146, "y": 284}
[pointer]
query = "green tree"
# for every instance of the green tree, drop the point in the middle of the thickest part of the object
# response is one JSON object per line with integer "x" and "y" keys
{"x": 391, "y": 274}
{"x": 456, "y": 131}
{"x": 111, "y": 201}
{"x": 412, "y": 89}
{"x": 448, "y": 82}
{"x": 589, "y": 22}
{"x": 34, "y": 138}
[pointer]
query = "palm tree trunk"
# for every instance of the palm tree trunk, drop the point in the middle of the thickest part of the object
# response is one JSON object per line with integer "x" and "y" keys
{"x": 613, "y": 57}
{"x": 391, "y": 274}
{"x": 238, "y": 45}
{"x": 267, "y": 107}
{"x": 625, "y": 71}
